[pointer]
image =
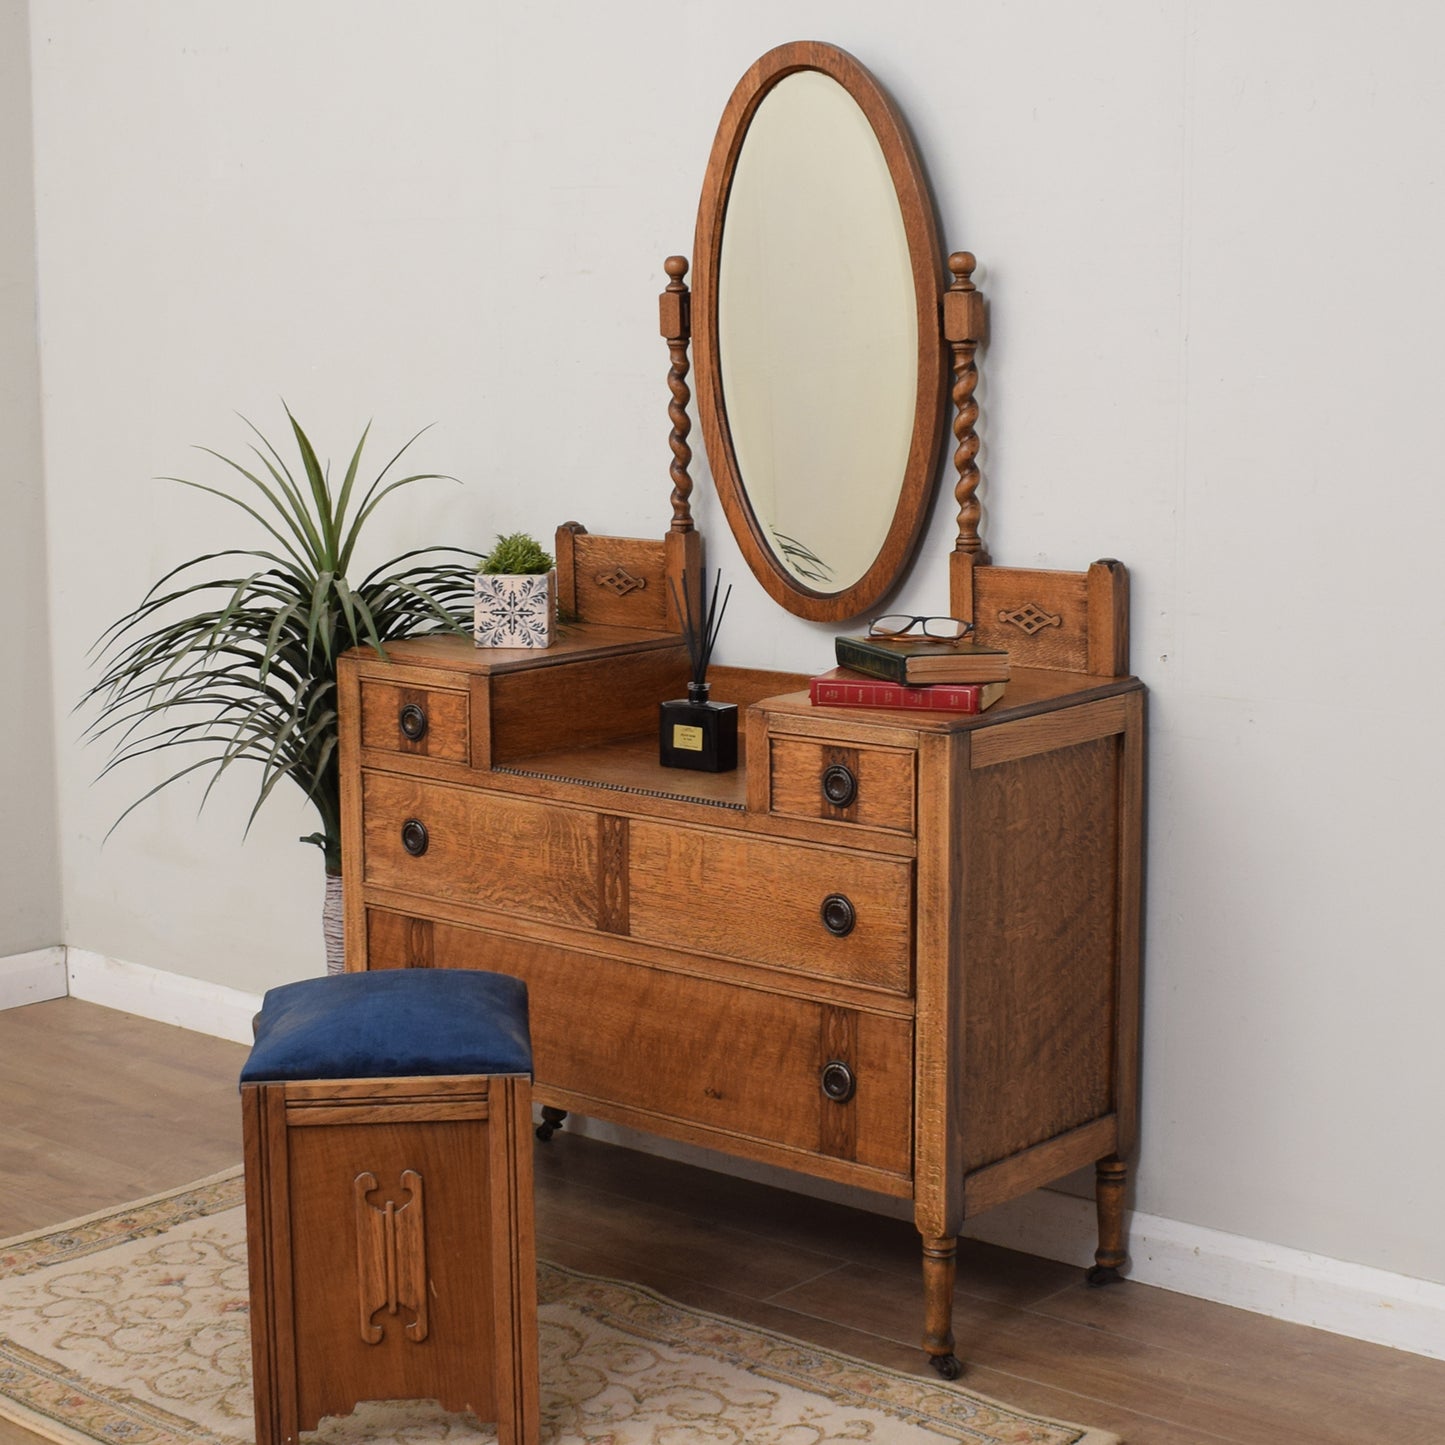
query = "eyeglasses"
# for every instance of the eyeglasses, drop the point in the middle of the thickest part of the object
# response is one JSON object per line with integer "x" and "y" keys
{"x": 895, "y": 624}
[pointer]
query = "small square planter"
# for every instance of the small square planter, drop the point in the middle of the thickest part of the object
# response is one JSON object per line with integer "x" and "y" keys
{"x": 515, "y": 610}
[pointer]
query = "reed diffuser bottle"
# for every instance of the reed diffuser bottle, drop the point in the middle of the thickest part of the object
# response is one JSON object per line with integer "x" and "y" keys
{"x": 694, "y": 732}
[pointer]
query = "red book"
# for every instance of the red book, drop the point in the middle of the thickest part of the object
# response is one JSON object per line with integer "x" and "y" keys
{"x": 844, "y": 688}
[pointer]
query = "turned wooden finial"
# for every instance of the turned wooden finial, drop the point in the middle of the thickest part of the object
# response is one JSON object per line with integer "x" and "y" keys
{"x": 674, "y": 313}
{"x": 964, "y": 325}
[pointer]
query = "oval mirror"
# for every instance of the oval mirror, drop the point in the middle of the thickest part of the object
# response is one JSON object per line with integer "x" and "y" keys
{"x": 820, "y": 365}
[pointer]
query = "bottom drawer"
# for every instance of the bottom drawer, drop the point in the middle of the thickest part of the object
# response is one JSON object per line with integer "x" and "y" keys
{"x": 718, "y": 1056}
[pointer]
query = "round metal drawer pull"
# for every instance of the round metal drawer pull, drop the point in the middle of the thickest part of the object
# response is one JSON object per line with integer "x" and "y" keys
{"x": 840, "y": 787}
{"x": 414, "y": 837}
{"x": 838, "y": 915}
{"x": 839, "y": 1083}
{"x": 412, "y": 721}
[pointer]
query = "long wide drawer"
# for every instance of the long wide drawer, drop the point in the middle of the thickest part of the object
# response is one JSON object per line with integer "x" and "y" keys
{"x": 823, "y": 912}
{"x": 644, "y": 1041}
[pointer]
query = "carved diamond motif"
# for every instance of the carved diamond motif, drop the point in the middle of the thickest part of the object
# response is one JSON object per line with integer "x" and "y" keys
{"x": 1031, "y": 618}
{"x": 620, "y": 581}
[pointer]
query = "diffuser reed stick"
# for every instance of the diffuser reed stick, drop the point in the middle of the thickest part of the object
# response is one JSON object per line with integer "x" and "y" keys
{"x": 700, "y": 630}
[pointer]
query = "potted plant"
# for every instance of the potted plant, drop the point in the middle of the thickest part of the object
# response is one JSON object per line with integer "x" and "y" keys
{"x": 232, "y": 655}
{"x": 515, "y": 597}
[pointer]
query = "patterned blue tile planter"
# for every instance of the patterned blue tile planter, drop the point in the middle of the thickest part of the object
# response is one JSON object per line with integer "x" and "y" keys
{"x": 515, "y": 611}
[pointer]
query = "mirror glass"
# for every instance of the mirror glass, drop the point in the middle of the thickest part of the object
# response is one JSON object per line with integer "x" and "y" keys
{"x": 812, "y": 216}
{"x": 816, "y": 331}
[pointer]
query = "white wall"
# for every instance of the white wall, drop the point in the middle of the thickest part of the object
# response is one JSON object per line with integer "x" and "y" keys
{"x": 29, "y": 855}
{"x": 1209, "y": 236}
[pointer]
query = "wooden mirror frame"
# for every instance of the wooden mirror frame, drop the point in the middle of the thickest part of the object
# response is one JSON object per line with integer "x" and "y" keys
{"x": 926, "y": 265}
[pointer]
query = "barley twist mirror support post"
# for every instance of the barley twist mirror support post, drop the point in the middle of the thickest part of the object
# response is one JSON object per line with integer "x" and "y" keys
{"x": 675, "y": 324}
{"x": 682, "y": 545}
{"x": 965, "y": 323}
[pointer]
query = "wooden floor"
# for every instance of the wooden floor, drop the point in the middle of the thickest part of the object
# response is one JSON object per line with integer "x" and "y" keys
{"x": 98, "y": 1107}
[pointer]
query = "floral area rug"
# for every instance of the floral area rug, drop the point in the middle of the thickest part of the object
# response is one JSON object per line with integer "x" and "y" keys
{"x": 129, "y": 1327}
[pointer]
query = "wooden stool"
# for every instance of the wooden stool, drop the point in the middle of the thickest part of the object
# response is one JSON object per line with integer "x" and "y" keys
{"x": 389, "y": 1223}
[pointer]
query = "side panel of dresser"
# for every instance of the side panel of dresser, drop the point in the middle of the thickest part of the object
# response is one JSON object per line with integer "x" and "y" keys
{"x": 1028, "y": 1011}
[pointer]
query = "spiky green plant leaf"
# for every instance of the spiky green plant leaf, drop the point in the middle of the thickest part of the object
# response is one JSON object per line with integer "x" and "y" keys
{"x": 233, "y": 654}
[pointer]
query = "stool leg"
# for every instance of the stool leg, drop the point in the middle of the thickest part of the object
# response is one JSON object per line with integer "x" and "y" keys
{"x": 515, "y": 1247}
{"x": 273, "y": 1377}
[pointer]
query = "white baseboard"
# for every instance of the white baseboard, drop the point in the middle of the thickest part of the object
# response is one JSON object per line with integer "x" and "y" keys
{"x": 1269, "y": 1279}
{"x": 168, "y": 998}
{"x": 1288, "y": 1284}
{"x": 32, "y": 977}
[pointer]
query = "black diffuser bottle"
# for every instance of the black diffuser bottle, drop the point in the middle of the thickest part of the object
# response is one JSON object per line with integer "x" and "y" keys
{"x": 693, "y": 732}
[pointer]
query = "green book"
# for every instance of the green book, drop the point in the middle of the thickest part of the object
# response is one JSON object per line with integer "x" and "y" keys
{"x": 907, "y": 659}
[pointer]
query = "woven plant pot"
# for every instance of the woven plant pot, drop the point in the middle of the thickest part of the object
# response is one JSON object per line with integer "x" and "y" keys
{"x": 332, "y": 928}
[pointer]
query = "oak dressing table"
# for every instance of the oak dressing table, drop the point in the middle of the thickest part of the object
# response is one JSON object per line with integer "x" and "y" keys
{"x": 895, "y": 950}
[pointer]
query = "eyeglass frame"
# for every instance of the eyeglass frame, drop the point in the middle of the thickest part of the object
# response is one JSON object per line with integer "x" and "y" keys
{"x": 914, "y": 621}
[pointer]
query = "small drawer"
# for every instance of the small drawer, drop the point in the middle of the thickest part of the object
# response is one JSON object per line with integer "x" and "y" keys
{"x": 426, "y": 722}
{"x": 829, "y": 913}
{"x": 870, "y": 787}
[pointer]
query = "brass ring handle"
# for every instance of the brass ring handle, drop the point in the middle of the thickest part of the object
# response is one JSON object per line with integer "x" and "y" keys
{"x": 840, "y": 786}
{"x": 839, "y": 1081}
{"x": 838, "y": 915}
{"x": 414, "y": 837}
{"x": 413, "y": 722}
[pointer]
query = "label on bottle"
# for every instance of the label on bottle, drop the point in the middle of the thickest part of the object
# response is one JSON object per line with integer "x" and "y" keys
{"x": 686, "y": 739}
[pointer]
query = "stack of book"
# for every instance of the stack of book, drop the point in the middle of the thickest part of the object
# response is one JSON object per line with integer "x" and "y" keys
{"x": 909, "y": 673}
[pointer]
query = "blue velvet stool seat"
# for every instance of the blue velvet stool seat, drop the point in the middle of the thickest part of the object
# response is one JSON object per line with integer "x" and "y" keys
{"x": 387, "y": 1124}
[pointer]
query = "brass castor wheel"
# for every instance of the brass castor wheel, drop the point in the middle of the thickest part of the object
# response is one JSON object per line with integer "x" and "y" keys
{"x": 949, "y": 1366}
{"x": 1099, "y": 1275}
{"x": 551, "y": 1122}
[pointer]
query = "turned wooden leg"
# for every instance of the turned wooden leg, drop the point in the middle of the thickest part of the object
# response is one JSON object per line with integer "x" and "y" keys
{"x": 551, "y": 1122}
{"x": 1110, "y": 1177}
{"x": 939, "y": 1264}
